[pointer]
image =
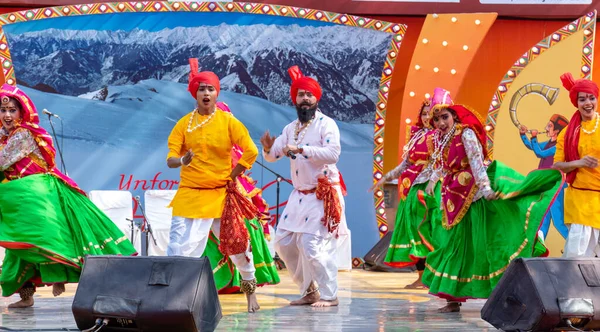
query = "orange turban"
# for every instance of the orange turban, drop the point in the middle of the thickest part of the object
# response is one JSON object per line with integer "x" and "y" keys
{"x": 577, "y": 86}
{"x": 195, "y": 78}
{"x": 300, "y": 81}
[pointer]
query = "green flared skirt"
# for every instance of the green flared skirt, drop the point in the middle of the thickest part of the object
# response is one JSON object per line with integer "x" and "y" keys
{"x": 406, "y": 246}
{"x": 469, "y": 259}
{"x": 47, "y": 229}
{"x": 227, "y": 277}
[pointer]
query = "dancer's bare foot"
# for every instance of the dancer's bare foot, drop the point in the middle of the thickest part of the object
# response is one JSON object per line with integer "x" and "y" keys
{"x": 58, "y": 289}
{"x": 418, "y": 284}
{"x": 450, "y": 307}
{"x": 252, "y": 303}
{"x": 310, "y": 298}
{"x": 325, "y": 303}
{"x": 22, "y": 303}
{"x": 312, "y": 295}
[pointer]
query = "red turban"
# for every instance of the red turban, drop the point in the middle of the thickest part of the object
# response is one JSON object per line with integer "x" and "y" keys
{"x": 572, "y": 134}
{"x": 577, "y": 86}
{"x": 196, "y": 78}
{"x": 300, "y": 81}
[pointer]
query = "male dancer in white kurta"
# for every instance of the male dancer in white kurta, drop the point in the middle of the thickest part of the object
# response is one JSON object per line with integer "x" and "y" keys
{"x": 303, "y": 241}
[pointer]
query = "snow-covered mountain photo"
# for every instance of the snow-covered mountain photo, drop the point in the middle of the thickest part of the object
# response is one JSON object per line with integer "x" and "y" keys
{"x": 249, "y": 59}
{"x": 119, "y": 84}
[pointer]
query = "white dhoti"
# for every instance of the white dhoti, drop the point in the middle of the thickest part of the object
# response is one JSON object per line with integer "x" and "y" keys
{"x": 308, "y": 258}
{"x": 582, "y": 241}
{"x": 188, "y": 237}
{"x": 307, "y": 248}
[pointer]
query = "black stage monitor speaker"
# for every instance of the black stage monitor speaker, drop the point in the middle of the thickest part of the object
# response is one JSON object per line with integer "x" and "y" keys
{"x": 147, "y": 294}
{"x": 375, "y": 257}
{"x": 546, "y": 294}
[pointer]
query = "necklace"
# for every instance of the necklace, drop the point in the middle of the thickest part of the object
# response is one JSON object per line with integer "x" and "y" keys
{"x": 301, "y": 131}
{"x": 439, "y": 146}
{"x": 595, "y": 127}
{"x": 198, "y": 125}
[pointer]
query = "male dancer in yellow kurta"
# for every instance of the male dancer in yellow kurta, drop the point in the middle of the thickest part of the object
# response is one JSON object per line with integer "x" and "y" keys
{"x": 577, "y": 154}
{"x": 201, "y": 145}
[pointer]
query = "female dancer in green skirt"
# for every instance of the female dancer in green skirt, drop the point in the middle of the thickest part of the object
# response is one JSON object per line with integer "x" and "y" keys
{"x": 406, "y": 247}
{"x": 489, "y": 217}
{"x": 47, "y": 224}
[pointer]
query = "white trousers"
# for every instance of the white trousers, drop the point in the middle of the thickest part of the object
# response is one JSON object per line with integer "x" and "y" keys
{"x": 582, "y": 241}
{"x": 309, "y": 258}
{"x": 188, "y": 237}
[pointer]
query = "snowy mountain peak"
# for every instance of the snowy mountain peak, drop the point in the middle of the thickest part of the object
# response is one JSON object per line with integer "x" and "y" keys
{"x": 250, "y": 59}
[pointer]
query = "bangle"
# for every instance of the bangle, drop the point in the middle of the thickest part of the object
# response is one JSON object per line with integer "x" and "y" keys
{"x": 181, "y": 161}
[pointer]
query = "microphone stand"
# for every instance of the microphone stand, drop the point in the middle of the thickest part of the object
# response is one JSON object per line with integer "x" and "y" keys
{"x": 62, "y": 161}
{"x": 131, "y": 221}
{"x": 280, "y": 178}
{"x": 148, "y": 228}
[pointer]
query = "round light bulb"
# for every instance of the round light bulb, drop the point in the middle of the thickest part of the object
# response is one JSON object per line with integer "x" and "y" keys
{"x": 444, "y": 43}
{"x": 465, "y": 47}
{"x": 417, "y": 67}
{"x": 477, "y": 22}
{"x": 488, "y": 128}
{"x": 436, "y": 69}
{"x": 454, "y": 19}
{"x": 408, "y": 121}
{"x": 435, "y": 15}
{"x": 453, "y": 71}
{"x": 427, "y": 95}
{"x": 425, "y": 40}
{"x": 412, "y": 93}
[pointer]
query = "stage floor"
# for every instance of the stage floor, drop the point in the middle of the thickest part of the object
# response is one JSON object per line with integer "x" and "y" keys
{"x": 369, "y": 301}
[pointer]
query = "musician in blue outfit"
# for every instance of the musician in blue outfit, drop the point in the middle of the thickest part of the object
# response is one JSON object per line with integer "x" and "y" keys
{"x": 545, "y": 151}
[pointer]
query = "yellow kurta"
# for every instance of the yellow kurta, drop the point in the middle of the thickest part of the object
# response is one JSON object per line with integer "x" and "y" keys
{"x": 583, "y": 206}
{"x": 201, "y": 192}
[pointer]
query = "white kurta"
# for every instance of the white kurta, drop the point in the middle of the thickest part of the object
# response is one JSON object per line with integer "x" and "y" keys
{"x": 302, "y": 241}
{"x": 321, "y": 144}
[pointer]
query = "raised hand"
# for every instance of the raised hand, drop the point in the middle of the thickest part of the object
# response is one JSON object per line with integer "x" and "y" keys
{"x": 267, "y": 141}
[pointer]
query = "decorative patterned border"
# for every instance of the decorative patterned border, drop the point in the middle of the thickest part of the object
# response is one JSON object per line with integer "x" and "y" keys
{"x": 398, "y": 30}
{"x": 587, "y": 23}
